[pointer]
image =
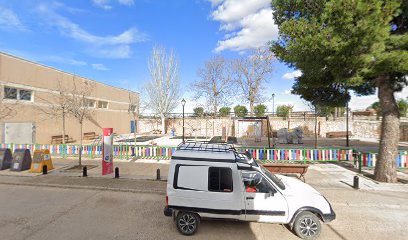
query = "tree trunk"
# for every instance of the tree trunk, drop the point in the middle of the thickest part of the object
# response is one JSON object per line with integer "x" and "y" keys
{"x": 315, "y": 129}
{"x": 251, "y": 108}
{"x": 63, "y": 127}
{"x": 80, "y": 148}
{"x": 134, "y": 135}
{"x": 163, "y": 122}
{"x": 385, "y": 169}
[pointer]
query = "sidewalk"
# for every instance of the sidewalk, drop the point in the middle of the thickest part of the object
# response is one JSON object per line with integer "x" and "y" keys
{"x": 326, "y": 176}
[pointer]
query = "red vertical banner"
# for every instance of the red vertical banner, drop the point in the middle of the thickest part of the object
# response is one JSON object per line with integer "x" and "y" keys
{"x": 107, "y": 148}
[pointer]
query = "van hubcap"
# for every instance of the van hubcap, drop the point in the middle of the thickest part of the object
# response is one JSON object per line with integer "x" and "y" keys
{"x": 187, "y": 223}
{"x": 308, "y": 227}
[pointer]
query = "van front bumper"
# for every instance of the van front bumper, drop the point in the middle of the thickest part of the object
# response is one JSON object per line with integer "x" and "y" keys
{"x": 168, "y": 212}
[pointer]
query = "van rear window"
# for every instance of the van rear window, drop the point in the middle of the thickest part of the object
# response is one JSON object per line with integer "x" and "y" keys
{"x": 220, "y": 179}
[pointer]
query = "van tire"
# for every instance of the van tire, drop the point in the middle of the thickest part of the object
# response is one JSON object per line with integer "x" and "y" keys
{"x": 187, "y": 223}
{"x": 307, "y": 225}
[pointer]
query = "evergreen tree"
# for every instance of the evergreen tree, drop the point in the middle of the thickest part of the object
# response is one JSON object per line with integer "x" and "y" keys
{"x": 343, "y": 45}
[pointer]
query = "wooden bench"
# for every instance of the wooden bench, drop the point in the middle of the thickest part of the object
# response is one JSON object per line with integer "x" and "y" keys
{"x": 337, "y": 134}
{"x": 288, "y": 168}
{"x": 58, "y": 139}
{"x": 90, "y": 136}
{"x": 156, "y": 131}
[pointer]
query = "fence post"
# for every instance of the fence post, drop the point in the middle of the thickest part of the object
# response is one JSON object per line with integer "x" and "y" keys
{"x": 359, "y": 162}
{"x": 304, "y": 155}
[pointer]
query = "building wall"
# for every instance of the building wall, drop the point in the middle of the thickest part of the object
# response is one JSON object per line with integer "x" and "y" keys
{"x": 46, "y": 84}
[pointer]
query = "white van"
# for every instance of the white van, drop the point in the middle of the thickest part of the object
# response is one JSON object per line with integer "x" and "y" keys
{"x": 215, "y": 181}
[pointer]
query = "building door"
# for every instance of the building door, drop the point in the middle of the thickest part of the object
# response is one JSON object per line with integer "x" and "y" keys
{"x": 19, "y": 133}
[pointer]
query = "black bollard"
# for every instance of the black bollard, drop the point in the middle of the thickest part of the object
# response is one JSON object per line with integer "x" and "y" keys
{"x": 356, "y": 182}
{"x": 158, "y": 174}
{"x": 116, "y": 172}
{"x": 84, "y": 171}
{"x": 45, "y": 169}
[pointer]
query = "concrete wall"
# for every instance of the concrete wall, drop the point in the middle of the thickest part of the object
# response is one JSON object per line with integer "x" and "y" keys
{"x": 46, "y": 83}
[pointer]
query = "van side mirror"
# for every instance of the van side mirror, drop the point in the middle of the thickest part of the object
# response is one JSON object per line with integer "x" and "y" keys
{"x": 271, "y": 193}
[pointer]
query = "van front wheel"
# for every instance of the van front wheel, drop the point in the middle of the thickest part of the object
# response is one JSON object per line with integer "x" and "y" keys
{"x": 307, "y": 225}
{"x": 187, "y": 223}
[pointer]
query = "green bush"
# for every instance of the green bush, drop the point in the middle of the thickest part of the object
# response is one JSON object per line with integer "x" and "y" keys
{"x": 198, "y": 112}
{"x": 240, "y": 111}
{"x": 284, "y": 110}
{"x": 225, "y": 111}
{"x": 260, "y": 110}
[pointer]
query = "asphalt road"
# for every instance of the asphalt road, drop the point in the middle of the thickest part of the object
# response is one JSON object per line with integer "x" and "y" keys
{"x": 28, "y": 212}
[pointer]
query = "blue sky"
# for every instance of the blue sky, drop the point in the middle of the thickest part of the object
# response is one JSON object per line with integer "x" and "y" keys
{"x": 111, "y": 40}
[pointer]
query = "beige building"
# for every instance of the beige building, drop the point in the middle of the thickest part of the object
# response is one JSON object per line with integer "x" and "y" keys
{"x": 31, "y": 95}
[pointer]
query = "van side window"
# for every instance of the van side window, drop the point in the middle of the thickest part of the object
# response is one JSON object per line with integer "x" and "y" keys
{"x": 255, "y": 182}
{"x": 219, "y": 179}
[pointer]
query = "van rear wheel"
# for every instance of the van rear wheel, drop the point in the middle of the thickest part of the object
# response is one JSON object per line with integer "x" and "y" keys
{"x": 187, "y": 223}
{"x": 307, "y": 225}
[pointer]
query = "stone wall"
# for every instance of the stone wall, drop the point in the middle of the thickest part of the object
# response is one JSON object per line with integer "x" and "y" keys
{"x": 214, "y": 127}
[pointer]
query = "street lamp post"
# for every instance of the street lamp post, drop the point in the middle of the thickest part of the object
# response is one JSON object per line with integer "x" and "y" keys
{"x": 273, "y": 104}
{"x": 183, "y": 103}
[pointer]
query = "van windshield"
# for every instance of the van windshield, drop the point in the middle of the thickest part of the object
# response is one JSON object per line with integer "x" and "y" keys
{"x": 273, "y": 177}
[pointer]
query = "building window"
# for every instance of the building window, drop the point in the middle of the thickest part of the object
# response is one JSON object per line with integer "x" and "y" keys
{"x": 89, "y": 103}
{"x": 17, "y": 94}
{"x": 219, "y": 179}
{"x": 102, "y": 104}
{"x": 10, "y": 93}
{"x": 24, "y": 95}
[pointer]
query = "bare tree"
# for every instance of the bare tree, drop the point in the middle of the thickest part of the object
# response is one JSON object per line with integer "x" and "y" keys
{"x": 80, "y": 106}
{"x": 162, "y": 90}
{"x": 57, "y": 106}
{"x": 133, "y": 110}
{"x": 214, "y": 84}
{"x": 251, "y": 72}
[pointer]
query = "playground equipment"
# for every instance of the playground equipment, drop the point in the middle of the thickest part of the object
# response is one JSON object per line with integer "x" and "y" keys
{"x": 292, "y": 137}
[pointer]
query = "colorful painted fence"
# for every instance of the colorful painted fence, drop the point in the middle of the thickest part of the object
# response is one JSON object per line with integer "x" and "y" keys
{"x": 369, "y": 159}
{"x": 300, "y": 154}
{"x": 262, "y": 154}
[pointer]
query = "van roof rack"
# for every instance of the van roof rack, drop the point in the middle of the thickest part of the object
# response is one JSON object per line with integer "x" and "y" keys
{"x": 210, "y": 147}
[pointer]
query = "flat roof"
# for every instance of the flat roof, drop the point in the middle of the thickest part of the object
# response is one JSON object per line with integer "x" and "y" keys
{"x": 59, "y": 70}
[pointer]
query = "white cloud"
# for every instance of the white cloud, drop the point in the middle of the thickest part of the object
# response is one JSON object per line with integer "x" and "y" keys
{"x": 215, "y": 2}
{"x": 247, "y": 24}
{"x": 257, "y": 30}
{"x": 106, "y": 4}
{"x": 292, "y": 75}
{"x": 118, "y": 52}
{"x": 9, "y": 20}
{"x": 235, "y": 10}
{"x": 287, "y": 92}
{"x": 99, "y": 66}
{"x": 111, "y": 46}
{"x": 127, "y": 2}
{"x": 102, "y": 4}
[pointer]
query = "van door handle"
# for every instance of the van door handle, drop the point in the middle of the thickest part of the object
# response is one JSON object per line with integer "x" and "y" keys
{"x": 249, "y": 198}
